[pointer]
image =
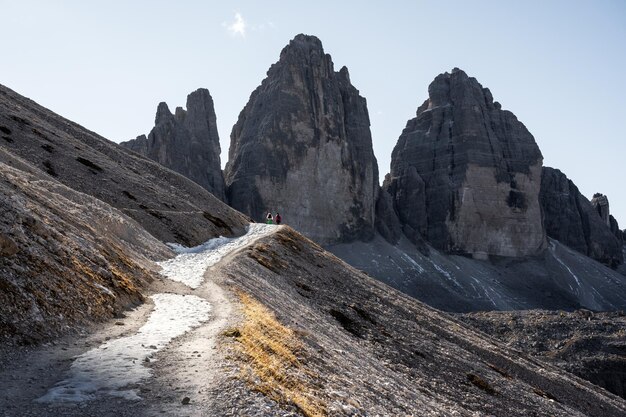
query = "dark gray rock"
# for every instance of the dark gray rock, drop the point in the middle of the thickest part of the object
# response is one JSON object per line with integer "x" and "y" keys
{"x": 169, "y": 206}
{"x": 573, "y": 220}
{"x": 601, "y": 203}
{"x": 466, "y": 174}
{"x": 617, "y": 232}
{"x": 186, "y": 142}
{"x": 387, "y": 221}
{"x": 302, "y": 146}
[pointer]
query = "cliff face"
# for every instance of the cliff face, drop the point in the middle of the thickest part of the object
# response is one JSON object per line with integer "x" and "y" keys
{"x": 465, "y": 174}
{"x": 577, "y": 222}
{"x": 186, "y": 142}
{"x": 302, "y": 146}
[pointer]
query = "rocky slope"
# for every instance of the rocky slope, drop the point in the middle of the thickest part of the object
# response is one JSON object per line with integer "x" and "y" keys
{"x": 366, "y": 349}
{"x": 169, "y": 206}
{"x": 560, "y": 278}
{"x": 590, "y": 345}
{"x": 82, "y": 221}
{"x": 302, "y": 146}
{"x": 186, "y": 142}
{"x": 465, "y": 174}
{"x": 67, "y": 258}
{"x": 578, "y": 223}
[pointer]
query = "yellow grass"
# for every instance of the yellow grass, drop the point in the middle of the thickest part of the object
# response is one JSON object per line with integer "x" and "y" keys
{"x": 273, "y": 366}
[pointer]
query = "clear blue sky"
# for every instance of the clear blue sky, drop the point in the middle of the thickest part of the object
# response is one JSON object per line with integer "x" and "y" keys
{"x": 558, "y": 65}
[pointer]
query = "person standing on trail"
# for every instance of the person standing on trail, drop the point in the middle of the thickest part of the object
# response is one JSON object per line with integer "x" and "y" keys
{"x": 269, "y": 218}
{"x": 278, "y": 219}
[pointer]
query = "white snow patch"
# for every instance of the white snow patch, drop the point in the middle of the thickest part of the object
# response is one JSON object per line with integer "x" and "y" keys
{"x": 191, "y": 263}
{"x": 553, "y": 248}
{"x": 416, "y": 266}
{"x": 445, "y": 273}
{"x": 116, "y": 364}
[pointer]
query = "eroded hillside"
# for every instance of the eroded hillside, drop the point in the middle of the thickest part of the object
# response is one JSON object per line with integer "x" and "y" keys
{"x": 367, "y": 349}
{"x": 169, "y": 206}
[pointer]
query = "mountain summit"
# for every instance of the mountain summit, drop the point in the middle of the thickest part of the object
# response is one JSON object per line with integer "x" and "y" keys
{"x": 466, "y": 174}
{"x": 186, "y": 142}
{"x": 302, "y": 146}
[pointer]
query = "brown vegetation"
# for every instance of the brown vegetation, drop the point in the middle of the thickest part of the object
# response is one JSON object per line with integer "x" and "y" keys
{"x": 274, "y": 363}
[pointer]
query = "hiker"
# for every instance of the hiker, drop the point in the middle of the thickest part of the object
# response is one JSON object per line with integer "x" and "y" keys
{"x": 278, "y": 218}
{"x": 269, "y": 218}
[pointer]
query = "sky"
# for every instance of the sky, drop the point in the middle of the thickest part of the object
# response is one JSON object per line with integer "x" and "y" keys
{"x": 558, "y": 65}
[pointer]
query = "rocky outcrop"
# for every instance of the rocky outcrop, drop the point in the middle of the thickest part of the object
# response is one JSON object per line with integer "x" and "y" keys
{"x": 302, "y": 146}
{"x": 600, "y": 202}
{"x": 617, "y": 232}
{"x": 465, "y": 174}
{"x": 573, "y": 220}
{"x": 169, "y": 206}
{"x": 186, "y": 142}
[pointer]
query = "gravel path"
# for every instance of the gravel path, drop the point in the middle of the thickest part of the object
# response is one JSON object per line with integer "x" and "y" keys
{"x": 160, "y": 359}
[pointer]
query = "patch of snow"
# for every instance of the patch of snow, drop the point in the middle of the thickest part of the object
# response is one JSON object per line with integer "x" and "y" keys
{"x": 444, "y": 272}
{"x": 191, "y": 263}
{"x": 553, "y": 249}
{"x": 116, "y": 364}
{"x": 416, "y": 266}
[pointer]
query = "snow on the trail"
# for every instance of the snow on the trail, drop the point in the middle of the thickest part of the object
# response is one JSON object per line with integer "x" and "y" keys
{"x": 191, "y": 263}
{"x": 115, "y": 365}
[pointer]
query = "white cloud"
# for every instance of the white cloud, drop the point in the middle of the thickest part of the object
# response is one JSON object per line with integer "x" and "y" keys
{"x": 237, "y": 27}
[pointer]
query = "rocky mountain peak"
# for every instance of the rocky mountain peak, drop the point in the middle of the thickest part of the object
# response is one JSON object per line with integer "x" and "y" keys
{"x": 186, "y": 142}
{"x": 457, "y": 88}
{"x": 163, "y": 114}
{"x": 577, "y": 222}
{"x": 601, "y": 203}
{"x": 304, "y": 136}
{"x": 302, "y": 47}
{"x": 472, "y": 169}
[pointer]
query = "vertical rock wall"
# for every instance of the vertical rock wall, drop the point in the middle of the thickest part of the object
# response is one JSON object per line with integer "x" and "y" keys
{"x": 302, "y": 146}
{"x": 186, "y": 142}
{"x": 466, "y": 174}
{"x": 575, "y": 221}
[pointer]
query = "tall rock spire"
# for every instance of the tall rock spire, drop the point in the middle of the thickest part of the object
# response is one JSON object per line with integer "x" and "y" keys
{"x": 186, "y": 142}
{"x": 302, "y": 146}
{"x": 465, "y": 174}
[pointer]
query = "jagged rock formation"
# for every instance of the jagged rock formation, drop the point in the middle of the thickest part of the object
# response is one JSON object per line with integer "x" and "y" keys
{"x": 302, "y": 146}
{"x": 465, "y": 174}
{"x": 169, "y": 206}
{"x": 601, "y": 203}
{"x": 573, "y": 220}
{"x": 186, "y": 142}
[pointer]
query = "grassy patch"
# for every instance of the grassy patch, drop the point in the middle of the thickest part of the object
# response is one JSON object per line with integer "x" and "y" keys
{"x": 272, "y": 353}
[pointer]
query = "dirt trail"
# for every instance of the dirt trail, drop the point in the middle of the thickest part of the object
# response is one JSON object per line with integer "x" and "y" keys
{"x": 186, "y": 367}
